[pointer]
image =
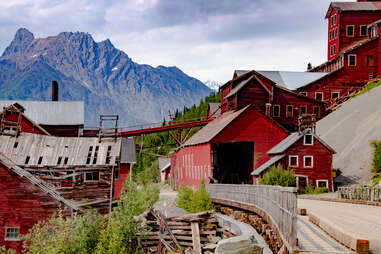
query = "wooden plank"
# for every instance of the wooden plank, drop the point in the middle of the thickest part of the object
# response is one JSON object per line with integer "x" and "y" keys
{"x": 196, "y": 237}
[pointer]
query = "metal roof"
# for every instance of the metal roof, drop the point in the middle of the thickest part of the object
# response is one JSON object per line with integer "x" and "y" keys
{"x": 164, "y": 163}
{"x": 128, "y": 151}
{"x": 215, "y": 108}
{"x": 286, "y": 143}
{"x": 239, "y": 86}
{"x": 267, "y": 164}
{"x": 212, "y": 129}
{"x": 50, "y": 148}
{"x": 51, "y": 112}
{"x": 289, "y": 79}
{"x": 35, "y": 181}
{"x": 355, "y": 6}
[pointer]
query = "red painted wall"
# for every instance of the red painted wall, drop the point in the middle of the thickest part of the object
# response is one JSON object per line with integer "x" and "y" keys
{"x": 118, "y": 184}
{"x": 335, "y": 39}
{"x": 62, "y": 130}
{"x": 253, "y": 125}
{"x": 21, "y": 205}
{"x": 26, "y": 126}
{"x": 322, "y": 161}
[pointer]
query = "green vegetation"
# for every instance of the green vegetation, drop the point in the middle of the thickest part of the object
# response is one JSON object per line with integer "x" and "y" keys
{"x": 145, "y": 170}
{"x": 4, "y": 250}
{"x": 194, "y": 201}
{"x": 376, "y": 165}
{"x": 310, "y": 189}
{"x": 276, "y": 175}
{"x": 368, "y": 87}
{"x": 91, "y": 232}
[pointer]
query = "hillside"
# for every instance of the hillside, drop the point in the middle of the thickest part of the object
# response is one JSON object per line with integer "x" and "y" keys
{"x": 104, "y": 77}
{"x": 350, "y": 130}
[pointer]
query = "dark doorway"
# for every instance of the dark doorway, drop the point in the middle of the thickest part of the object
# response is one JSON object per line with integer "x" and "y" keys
{"x": 302, "y": 182}
{"x": 233, "y": 162}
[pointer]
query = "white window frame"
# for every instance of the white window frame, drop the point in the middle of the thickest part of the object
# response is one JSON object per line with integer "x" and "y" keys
{"x": 304, "y": 161}
{"x": 312, "y": 140}
{"x": 93, "y": 181}
{"x": 317, "y": 183}
{"x": 292, "y": 111}
{"x": 366, "y": 31}
{"x": 346, "y": 29}
{"x": 373, "y": 31}
{"x": 349, "y": 60}
{"x": 334, "y": 18}
{"x": 297, "y": 180}
{"x": 297, "y": 161}
{"x": 338, "y": 95}
{"x": 12, "y": 239}
{"x": 278, "y": 106}
{"x": 322, "y": 96}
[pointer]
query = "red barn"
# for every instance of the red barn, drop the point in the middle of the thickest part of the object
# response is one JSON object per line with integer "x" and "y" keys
{"x": 227, "y": 149}
{"x": 256, "y": 88}
{"x": 307, "y": 155}
{"x": 24, "y": 200}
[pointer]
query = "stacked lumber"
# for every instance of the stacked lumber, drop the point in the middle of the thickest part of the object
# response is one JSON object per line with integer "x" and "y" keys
{"x": 179, "y": 233}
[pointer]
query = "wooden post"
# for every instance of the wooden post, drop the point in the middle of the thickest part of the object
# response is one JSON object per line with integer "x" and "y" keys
{"x": 196, "y": 237}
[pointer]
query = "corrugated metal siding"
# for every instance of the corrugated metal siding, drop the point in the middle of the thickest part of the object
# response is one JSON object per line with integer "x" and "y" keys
{"x": 51, "y": 148}
{"x": 51, "y": 112}
{"x": 128, "y": 151}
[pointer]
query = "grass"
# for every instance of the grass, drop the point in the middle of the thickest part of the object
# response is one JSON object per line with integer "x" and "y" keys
{"x": 368, "y": 87}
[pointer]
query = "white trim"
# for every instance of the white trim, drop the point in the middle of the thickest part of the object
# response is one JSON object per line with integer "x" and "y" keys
{"x": 349, "y": 61}
{"x": 297, "y": 161}
{"x": 317, "y": 183}
{"x": 304, "y": 161}
{"x": 297, "y": 180}
{"x": 12, "y": 239}
{"x": 322, "y": 95}
{"x": 278, "y": 106}
{"x": 338, "y": 95}
{"x": 89, "y": 181}
{"x": 312, "y": 140}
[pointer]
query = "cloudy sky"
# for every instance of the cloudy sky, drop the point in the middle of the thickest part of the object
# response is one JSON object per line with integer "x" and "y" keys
{"x": 207, "y": 39}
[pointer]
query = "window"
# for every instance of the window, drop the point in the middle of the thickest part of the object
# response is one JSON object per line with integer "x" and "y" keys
{"x": 330, "y": 35}
{"x": 350, "y": 31}
{"x": 363, "y": 30}
{"x": 108, "y": 155}
{"x": 27, "y": 159}
{"x": 290, "y": 111}
{"x": 276, "y": 110}
{"x": 308, "y": 140}
{"x": 331, "y": 20}
{"x": 336, "y": 32}
{"x": 95, "y": 155}
{"x": 308, "y": 161}
{"x": 334, "y": 19}
{"x": 12, "y": 234}
{"x": 319, "y": 96}
{"x": 331, "y": 50}
{"x": 334, "y": 49}
{"x": 373, "y": 31}
{"x": 15, "y": 145}
{"x": 322, "y": 183}
{"x": 89, "y": 155}
{"x": 293, "y": 161}
{"x": 352, "y": 60}
{"x": 66, "y": 160}
{"x": 335, "y": 95}
{"x": 317, "y": 111}
{"x": 117, "y": 173}
{"x": 303, "y": 110}
{"x": 369, "y": 60}
{"x": 92, "y": 176}
{"x": 39, "y": 160}
{"x": 59, "y": 160}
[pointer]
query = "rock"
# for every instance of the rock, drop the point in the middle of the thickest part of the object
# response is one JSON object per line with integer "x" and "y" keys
{"x": 215, "y": 239}
{"x": 239, "y": 245}
{"x": 210, "y": 246}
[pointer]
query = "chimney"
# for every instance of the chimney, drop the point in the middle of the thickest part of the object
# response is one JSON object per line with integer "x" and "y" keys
{"x": 54, "y": 90}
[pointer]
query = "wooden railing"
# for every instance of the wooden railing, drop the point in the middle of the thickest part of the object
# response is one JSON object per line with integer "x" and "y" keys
{"x": 360, "y": 193}
{"x": 278, "y": 203}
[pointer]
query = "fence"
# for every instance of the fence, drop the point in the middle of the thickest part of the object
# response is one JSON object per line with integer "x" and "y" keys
{"x": 361, "y": 193}
{"x": 279, "y": 203}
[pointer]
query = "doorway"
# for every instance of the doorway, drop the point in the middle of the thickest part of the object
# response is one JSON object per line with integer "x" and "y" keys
{"x": 233, "y": 162}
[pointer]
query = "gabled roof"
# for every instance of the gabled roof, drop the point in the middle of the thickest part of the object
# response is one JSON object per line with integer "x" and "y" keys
{"x": 215, "y": 108}
{"x": 353, "y": 6}
{"x": 164, "y": 163}
{"x": 51, "y": 112}
{"x": 213, "y": 128}
{"x": 267, "y": 164}
{"x": 288, "y": 79}
{"x": 35, "y": 181}
{"x": 286, "y": 143}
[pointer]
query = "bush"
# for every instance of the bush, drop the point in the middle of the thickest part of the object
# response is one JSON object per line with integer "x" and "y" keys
{"x": 276, "y": 175}
{"x": 194, "y": 202}
{"x": 4, "y": 250}
{"x": 376, "y": 179}
{"x": 310, "y": 189}
{"x": 376, "y": 144}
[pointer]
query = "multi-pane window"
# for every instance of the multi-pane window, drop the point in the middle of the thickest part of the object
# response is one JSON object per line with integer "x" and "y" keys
{"x": 293, "y": 161}
{"x": 319, "y": 96}
{"x": 12, "y": 233}
{"x": 336, "y": 32}
{"x": 308, "y": 161}
{"x": 322, "y": 183}
{"x": 352, "y": 60}
{"x": 350, "y": 30}
{"x": 276, "y": 110}
{"x": 92, "y": 176}
{"x": 363, "y": 30}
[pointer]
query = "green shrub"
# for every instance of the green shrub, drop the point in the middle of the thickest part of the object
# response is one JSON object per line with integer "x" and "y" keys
{"x": 194, "y": 202}
{"x": 376, "y": 178}
{"x": 376, "y": 144}
{"x": 276, "y": 175}
{"x": 4, "y": 250}
{"x": 310, "y": 189}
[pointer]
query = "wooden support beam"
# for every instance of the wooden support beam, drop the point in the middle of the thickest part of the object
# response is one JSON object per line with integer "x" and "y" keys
{"x": 196, "y": 237}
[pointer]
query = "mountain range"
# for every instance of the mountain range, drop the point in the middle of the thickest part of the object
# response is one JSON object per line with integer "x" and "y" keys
{"x": 214, "y": 85}
{"x": 96, "y": 72}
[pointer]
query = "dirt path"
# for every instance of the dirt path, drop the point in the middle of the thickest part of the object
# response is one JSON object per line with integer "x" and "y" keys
{"x": 167, "y": 203}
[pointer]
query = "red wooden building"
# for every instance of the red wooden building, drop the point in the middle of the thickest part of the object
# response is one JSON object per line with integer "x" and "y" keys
{"x": 307, "y": 155}
{"x": 284, "y": 105}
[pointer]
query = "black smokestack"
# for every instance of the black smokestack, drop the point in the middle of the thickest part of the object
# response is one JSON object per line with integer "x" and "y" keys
{"x": 54, "y": 90}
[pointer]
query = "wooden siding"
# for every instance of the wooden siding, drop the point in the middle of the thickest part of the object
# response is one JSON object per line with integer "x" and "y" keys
{"x": 118, "y": 183}
{"x": 21, "y": 205}
{"x": 254, "y": 94}
{"x": 322, "y": 161}
{"x": 26, "y": 125}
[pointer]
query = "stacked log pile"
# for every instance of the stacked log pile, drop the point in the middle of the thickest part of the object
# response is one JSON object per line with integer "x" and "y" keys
{"x": 176, "y": 234}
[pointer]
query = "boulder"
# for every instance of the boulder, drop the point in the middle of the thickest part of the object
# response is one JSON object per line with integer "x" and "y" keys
{"x": 243, "y": 244}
